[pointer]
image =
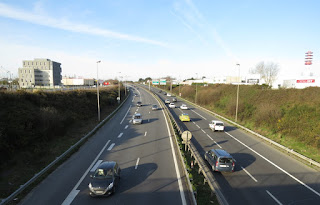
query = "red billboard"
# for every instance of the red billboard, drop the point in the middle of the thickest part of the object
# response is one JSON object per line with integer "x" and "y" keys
{"x": 306, "y": 81}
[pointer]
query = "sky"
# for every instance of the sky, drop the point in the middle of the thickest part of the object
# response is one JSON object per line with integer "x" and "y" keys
{"x": 157, "y": 38}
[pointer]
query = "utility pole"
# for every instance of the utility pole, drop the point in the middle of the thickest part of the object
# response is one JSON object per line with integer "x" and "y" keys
{"x": 98, "y": 92}
{"x": 236, "y": 118}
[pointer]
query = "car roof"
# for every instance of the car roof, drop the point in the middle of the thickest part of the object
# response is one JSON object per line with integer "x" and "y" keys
{"x": 137, "y": 114}
{"x": 184, "y": 114}
{"x": 107, "y": 165}
{"x": 221, "y": 153}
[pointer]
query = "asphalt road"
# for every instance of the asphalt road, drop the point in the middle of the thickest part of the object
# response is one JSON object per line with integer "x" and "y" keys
{"x": 151, "y": 172}
{"x": 263, "y": 174}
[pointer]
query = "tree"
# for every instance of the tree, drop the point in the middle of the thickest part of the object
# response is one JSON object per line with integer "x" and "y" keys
{"x": 148, "y": 78}
{"x": 268, "y": 71}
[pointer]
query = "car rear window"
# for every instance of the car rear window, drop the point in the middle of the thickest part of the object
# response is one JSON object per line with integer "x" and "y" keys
{"x": 220, "y": 124}
{"x": 225, "y": 160}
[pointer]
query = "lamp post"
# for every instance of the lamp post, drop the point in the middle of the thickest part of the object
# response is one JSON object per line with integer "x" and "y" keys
{"x": 98, "y": 92}
{"x": 236, "y": 118}
{"x": 195, "y": 101}
{"x": 119, "y": 94}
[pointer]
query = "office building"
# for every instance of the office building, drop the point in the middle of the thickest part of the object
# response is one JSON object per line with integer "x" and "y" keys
{"x": 40, "y": 72}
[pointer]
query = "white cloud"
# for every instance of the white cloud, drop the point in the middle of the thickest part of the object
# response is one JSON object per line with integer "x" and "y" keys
{"x": 37, "y": 17}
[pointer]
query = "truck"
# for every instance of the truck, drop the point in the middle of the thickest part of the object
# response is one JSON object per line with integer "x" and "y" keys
{"x": 216, "y": 125}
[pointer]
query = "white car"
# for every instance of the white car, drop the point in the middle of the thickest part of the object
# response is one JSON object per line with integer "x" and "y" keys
{"x": 168, "y": 94}
{"x": 167, "y": 101}
{"x": 216, "y": 125}
{"x": 172, "y": 105}
{"x": 183, "y": 107}
{"x": 137, "y": 119}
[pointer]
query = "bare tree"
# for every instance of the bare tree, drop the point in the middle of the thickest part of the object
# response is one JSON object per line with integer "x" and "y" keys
{"x": 268, "y": 71}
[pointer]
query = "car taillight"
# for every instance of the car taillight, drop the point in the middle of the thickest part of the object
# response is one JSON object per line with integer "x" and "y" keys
{"x": 216, "y": 164}
{"x": 233, "y": 166}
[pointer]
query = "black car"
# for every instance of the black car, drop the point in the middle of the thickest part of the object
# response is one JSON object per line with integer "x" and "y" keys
{"x": 105, "y": 179}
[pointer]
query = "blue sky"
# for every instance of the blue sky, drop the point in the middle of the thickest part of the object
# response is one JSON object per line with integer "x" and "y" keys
{"x": 156, "y": 38}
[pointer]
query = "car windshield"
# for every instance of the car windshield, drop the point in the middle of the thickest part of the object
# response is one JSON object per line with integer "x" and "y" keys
{"x": 225, "y": 160}
{"x": 137, "y": 117}
{"x": 103, "y": 174}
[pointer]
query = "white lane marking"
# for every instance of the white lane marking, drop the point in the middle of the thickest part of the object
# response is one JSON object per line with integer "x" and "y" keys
{"x": 198, "y": 114}
{"x": 137, "y": 163}
{"x": 284, "y": 171}
{"x": 197, "y": 125}
{"x": 149, "y": 112}
{"x": 183, "y": 198}
{"x": 145, "y": 134}
{"x": 125, "y": 115}
{"x": 74, "y": 192}
{"x": 120, "y": 135}
{"x": 137, "y": 110}
{"x": 111, "y": 146}
{"x": 193, "y": 122}
{"x": 203, "y": 131}
{"x": 126, "y": 127}
{"x": 214, "y": 141}
{"x": 254, "y": 179}
{"x": 148, "y": 120}
{"x": 96, "y": 166}
{"x": 70, "y": 197}
{"x": 274, "y": 198}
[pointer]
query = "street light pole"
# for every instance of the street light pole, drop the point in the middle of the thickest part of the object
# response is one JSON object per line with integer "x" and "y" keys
{"x": 236, "y": 118}
{"x": 195, "y": 101}
{"x": 98, "y": 92}
{"x": 119, "y": 88}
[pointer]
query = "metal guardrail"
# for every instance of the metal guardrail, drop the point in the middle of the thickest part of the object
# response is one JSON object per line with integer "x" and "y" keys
{"x": 203, "y": 168}
{"x": 58, "y": 159}
{"x": 291, "y": 151}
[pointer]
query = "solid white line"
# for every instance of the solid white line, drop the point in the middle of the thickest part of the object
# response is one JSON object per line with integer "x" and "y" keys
{"x": 183, "y": 198}
{"x": 254, "y": 179}
{"x": 96, "y": 166}
{"x": 284, "y": 171}
{"x": 126, "y": 126}
{"x": 198, "y": 114}
{"x": 274, "y": 198}
{"x": 125, "y": 115}
{"x": 145, "y": 134}
{"x": 120, "y": 135}
{"x": 74, "y": 192}
{"x": 111, "y": 146}
{"x": 137, "y": 163}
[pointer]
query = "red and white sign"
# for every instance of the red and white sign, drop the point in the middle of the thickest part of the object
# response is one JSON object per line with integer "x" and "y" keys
{"x": 106, "y": 83}
{"x": 306, "y": 81}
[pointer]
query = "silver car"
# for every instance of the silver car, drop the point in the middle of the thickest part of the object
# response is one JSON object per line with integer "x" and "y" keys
{"x": 137, "y": 119}
{"x": 220, "y": 160}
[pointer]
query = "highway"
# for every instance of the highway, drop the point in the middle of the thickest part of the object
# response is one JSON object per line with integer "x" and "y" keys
{"x": 150, "y": 168}
{"x": 263, "y": 174}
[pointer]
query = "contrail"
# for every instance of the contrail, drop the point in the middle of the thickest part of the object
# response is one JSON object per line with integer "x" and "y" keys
{"x": 13, "y": 13}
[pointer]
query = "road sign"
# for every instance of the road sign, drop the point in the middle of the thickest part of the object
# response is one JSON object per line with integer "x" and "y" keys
{"x": 186, "y": 136}
{"x": 163, "y": 81}
{"x": 155, "y": 82}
